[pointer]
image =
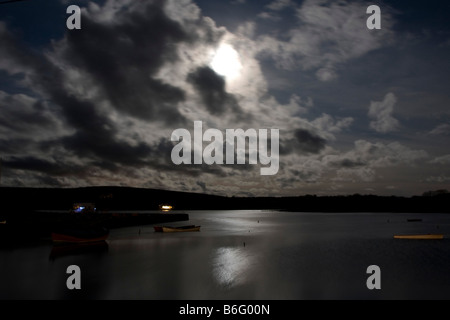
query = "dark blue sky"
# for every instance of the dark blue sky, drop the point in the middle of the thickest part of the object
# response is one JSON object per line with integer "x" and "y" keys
{"x": 37, "y": 21}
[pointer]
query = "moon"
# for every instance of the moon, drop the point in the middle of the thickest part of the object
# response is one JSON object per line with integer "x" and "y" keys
{"x": 226, "y": 62}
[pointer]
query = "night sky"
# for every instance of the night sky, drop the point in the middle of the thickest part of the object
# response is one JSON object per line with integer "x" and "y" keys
{"x": 358, "y": 110}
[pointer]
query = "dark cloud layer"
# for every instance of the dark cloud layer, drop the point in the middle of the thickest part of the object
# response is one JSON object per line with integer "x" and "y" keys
{"x": 41, "y": 165}
{"x": 211, "y": 88}
{"x": 308, "y": 141}
{"x": 94, "y": 133}
{"x": 121, "y": 59}
{"x": 18, "y": 117}
{"x": 124, "y": 57}
{"x": 304, "y": 142}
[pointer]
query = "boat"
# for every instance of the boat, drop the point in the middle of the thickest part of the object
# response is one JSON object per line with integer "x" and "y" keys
{"x": 160, "y": 228}
{"x": 191, "y": 228}
{"x": 420, "y": 236}
{"x": 80, "y": 235}
{"x": 181, "y": 229}
{"x": 3, "y": 222}
{"x": 68, "y": 249}
{"x": 414, "y": 220}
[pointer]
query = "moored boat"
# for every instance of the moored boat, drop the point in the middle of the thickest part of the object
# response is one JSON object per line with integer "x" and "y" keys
{"x": 66, "y": 249}
{"x": 420, "y": 236}
{"x": 160, "y": 228}
{"x": 191, "y": 228}
{"x": 80, "y": 235}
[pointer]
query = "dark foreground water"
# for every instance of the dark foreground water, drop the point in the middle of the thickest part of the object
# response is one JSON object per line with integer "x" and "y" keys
{"x": 244, "y": 255}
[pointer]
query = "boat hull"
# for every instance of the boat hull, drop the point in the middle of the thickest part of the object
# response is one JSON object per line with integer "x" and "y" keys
{"x": 421, "y": 236}
{"x": 80, "y": 235}
{"x": 181, "y": 229}
{"x": 67, "y": 249}
{"x": 63, "y": 238}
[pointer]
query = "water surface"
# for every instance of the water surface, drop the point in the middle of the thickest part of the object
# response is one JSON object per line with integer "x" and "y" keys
{"x": 244, "y": 255}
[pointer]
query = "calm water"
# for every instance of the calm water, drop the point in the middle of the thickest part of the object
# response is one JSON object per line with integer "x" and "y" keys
{"x": 244, "y": 255}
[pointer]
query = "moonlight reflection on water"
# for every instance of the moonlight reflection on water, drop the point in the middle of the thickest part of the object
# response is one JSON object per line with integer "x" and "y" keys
{"x": 231, "y": 266}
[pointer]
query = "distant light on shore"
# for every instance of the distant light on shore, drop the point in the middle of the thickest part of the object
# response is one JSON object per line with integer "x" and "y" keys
{"x": 165, "y": 207}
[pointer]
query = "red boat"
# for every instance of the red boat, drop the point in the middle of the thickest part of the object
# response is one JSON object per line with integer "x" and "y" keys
{"x": 83, "y": 235}
{"x": 67, "y": 249}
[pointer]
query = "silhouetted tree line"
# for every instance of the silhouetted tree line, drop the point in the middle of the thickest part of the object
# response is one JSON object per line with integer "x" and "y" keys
{"x": 124, "y": 198}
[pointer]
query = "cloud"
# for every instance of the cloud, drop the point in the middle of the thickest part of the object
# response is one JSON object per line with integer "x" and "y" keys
{"x": 381, "y": 112}
{"x": 41, "y": 165}
{"x": 279, "y": 5}
{"x": 367, "y": 156}
{"x": 365, "y": 174}
{"x": 103, "y": 85}
{"x": 326, "y": 74}
{"x": 441, "y": 160}
{"x": 125, "y": 75}
{"x": 385, "y": 155}
{"x": 328, "y": 35}
{"x": 439, "y": 179}
{"x": 308, "y": 142}
{"x": 365, "y": 164}
{"x": 108, "y": 98}
{"x": 442, "y": 129}
{"x": 328, "y": 125}
{"x": 301, "y": 142}
{"x": 211, "y": 88}
{"x": 98, "y": 106}
{"x": 26, "y": 115}
{"x": 268, "y": 16}
{"x": 274, "y": 8}
{"x": 202, "y": 185}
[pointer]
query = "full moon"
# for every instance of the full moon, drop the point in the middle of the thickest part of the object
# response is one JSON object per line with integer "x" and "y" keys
{"x": 226, "y": 62}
